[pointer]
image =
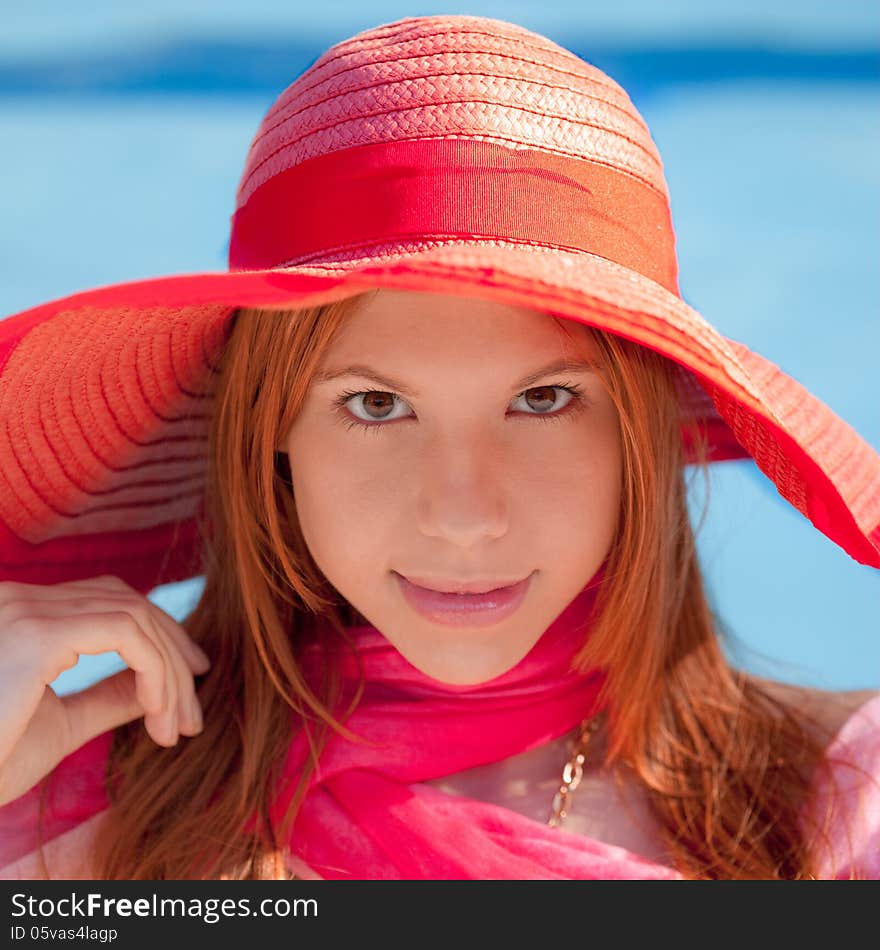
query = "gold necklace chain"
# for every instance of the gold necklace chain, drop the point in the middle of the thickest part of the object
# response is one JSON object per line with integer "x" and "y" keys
{"x": 573, "y": 770}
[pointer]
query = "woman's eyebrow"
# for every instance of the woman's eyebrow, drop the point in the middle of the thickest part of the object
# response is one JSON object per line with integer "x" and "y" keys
{"x": 565, "y": 365}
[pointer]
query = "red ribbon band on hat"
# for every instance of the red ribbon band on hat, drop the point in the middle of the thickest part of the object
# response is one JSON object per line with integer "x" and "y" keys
{"x": 459, "y": 188}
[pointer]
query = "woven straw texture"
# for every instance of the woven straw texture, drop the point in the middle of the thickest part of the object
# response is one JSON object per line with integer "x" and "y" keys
{"x": 452, "y": 76}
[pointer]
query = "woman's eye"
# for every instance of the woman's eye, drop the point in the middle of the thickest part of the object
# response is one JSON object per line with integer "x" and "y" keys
{"x": 544, "y": 400}
{"x": 375, "y": 406}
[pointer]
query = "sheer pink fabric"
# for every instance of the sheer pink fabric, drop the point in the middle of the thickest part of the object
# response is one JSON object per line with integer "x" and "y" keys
{"x": 855, "y": 757}
{"x": 367, "y": 815}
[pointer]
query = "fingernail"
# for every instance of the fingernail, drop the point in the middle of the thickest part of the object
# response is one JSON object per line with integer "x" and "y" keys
{"x": 196, "y": 713}
{"x": 167, "y": 729}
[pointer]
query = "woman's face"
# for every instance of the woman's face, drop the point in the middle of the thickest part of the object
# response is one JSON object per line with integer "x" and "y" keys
{"x": 462, "y": 459}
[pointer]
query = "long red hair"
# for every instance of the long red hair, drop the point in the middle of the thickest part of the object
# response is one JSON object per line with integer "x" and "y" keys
{"x": 728, "y": 767}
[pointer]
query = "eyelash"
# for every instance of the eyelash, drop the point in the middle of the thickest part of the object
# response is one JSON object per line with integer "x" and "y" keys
{"x": 577, "y": 402}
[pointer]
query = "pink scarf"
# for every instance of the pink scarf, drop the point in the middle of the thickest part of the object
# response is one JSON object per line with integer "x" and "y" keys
{"x": 367, "y": 814}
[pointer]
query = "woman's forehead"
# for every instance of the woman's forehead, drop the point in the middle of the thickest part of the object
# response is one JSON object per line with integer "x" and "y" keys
{"x": 409, "y": 348}
{"x": 430, "y": 319}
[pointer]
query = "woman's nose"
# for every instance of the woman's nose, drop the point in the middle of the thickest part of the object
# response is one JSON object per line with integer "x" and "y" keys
{"x": 462, "y": 498}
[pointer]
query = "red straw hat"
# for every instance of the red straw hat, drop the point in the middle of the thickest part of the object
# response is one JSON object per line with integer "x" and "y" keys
{"x": 464, "y": 155}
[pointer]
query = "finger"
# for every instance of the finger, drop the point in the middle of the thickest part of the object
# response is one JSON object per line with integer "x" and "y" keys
{"x": 109, "y": 587}
{"x": 109, "y": 703}
{"x": 56, "y": 639}
{"x": 180, "y": 710}
{"x": 196, "y": 657}
{"x": 63, "y": 632}
{"x": 188, "y": 715}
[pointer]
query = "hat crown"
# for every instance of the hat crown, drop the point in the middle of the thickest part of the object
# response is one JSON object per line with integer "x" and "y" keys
{"x": 450, "y": 130}
{"x": 452, "y": 76}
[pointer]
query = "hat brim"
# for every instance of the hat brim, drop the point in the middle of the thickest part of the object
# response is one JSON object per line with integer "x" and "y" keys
{"x": 103, "y": 399}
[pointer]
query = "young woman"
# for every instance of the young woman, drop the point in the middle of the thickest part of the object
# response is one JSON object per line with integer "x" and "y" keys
{"x": 428, "y": 441}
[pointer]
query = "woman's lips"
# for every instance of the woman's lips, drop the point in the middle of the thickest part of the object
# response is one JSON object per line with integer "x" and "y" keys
{"x": 464, "y": 610}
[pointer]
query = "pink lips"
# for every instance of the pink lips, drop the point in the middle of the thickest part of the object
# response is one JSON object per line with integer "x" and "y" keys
{"x": 464, "y": 610}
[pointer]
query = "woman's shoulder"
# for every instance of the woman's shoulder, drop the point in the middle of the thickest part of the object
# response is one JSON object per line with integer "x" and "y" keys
{"x": 849, "y": 792}
{"x": 62, "y": 803}
{"x": 68, "y": 856}
{"x": 834, "y": 711}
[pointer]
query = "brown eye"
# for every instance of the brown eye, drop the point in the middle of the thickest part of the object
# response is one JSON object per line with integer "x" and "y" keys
{"x": 380, "y": 403}
{"x": 371, "y": 406}
{"x": 543, "y": 399}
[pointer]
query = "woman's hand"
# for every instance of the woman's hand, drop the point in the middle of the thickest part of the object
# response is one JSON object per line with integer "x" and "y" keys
{"x": 43, "y": 631}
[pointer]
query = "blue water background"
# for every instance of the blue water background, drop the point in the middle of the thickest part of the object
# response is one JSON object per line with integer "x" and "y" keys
{"x": 124, "y": 131}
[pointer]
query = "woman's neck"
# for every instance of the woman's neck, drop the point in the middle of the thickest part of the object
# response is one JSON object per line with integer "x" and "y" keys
{"x": 535, "y": 772}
